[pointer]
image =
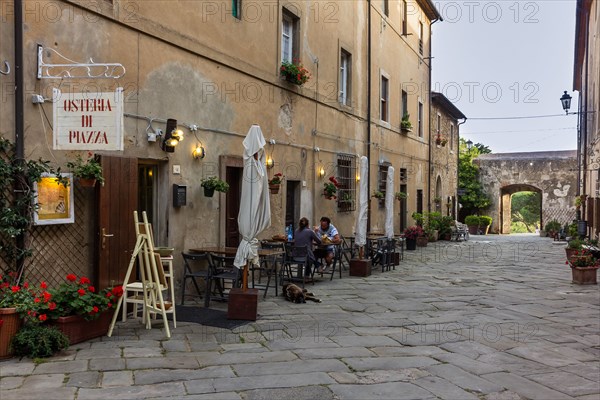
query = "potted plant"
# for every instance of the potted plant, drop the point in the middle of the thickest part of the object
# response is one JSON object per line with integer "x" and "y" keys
{"x": 213, "y": 183}
{"x": 400, "y": 195}
{"x": 584, "y": 268}
{"x": 18, "y": 302}
{"x": 275, "y": 183}
{"x": 437, "y": 200}
{"x": 330, "y": 188}
{"x": 552, "y": 228}
{"x": 446, "y": 224}
{"x": 574, "y": 247}
{"x": 433, "y": 225}
{"x": 378, "y": 195}
{"x": 294, "y": 72}
{"x": 405, "y": 125}
{"x": 472, "y": 221}
{"x": 441, "y": 140}
{"x": 78, "y": 310}
{"x": 411, "y": 234}
{"x": 88, "y": 172}
{"x": 484, "y": 223}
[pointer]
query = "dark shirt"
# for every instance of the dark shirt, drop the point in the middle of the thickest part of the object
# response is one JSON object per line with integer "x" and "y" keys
{"x": 306, "y": 237}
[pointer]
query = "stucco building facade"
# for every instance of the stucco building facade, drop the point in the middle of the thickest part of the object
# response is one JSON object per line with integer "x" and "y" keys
{"x": 215, "y": 68}
{"x": 586, "y": 80}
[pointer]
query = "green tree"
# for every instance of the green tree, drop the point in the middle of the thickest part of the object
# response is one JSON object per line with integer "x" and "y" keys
{"x": 525, "y": 208}
{"x": 474, "y": 198}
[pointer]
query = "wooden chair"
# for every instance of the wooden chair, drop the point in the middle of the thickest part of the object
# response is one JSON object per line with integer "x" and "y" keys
{"x": 195, "y": 266}
{"x": 222, "y": 271}
{"x": 295, "y": 265}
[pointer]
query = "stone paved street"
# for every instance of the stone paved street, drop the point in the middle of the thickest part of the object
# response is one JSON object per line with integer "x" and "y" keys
{"x": 492, "y": 318}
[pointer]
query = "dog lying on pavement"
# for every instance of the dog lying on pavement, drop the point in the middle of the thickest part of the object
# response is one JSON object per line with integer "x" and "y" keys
{"x": 295, "y": 294}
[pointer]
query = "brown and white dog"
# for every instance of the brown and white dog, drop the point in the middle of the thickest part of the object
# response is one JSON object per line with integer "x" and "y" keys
{"x": 295, "y": 294}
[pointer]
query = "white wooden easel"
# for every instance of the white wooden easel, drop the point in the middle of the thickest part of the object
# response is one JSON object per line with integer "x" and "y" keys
{"x": 153, "y": 278}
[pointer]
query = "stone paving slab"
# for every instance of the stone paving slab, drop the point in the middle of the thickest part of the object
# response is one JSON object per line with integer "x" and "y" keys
{"x": 145, "y": 377}
{"x": 444, "y": 389}
{"x": 568, "y": 383}
{"x": 133, "y": 392}
{"x": 392, "y": 391}
{"x": 525, "y": 387}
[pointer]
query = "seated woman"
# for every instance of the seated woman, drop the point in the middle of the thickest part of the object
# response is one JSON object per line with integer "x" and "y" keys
{"x": 305, "y": 236}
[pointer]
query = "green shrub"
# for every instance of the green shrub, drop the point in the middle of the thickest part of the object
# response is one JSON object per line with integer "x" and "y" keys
{"x": 572, "y": 229}
{"x": 35, "y": 341}
{"x": 484, "y": 220}
{"x": 552, "y": 226}
{"x": 472, "y": 220}
{"x": 575, "y": 244}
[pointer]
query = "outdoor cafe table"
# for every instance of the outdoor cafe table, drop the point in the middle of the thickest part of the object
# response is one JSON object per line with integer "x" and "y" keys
{"x": 231, "y": 251}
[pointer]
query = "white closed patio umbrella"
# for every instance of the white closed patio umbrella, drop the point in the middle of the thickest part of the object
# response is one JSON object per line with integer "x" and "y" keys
{"x": 389, "y": 204}
{"x": 363, "y": 205}
{"x": 255, "y": 210}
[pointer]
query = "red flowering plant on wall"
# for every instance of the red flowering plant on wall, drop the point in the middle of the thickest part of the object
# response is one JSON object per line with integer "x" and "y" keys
{"x": 294, "y": 72}
{"x": 77, "y": 296}
{"x": 330, "y": 188}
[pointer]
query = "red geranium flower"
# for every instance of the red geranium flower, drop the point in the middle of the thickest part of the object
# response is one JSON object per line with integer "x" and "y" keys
{"x": 91, "y": 289}
{"x": 118, "y": 291}
{"x": 84, "y": 281}
{"x": 71, "y": 277}
{"x": 43, "y": 285}
{"x": 36, "y": 300}
{"x": 52, "y": 306}
{"x": 47, "y": 296}
{"x": 43, "y": 317}
{"x": 81, "y": 292}
{"x": 15, "y": 289}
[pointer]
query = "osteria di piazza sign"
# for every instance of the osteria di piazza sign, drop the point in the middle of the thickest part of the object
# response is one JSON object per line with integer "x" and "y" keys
{"x": 88, "y": 121}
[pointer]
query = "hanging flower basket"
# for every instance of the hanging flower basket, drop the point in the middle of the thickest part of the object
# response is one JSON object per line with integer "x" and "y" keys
{"x": 86, "y": 182}
{"x": 273, "y": 188}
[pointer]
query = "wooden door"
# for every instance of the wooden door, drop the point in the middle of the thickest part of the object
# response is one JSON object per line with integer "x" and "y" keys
{"x": 117, "y": 200}
{"x": 233, "y": 176}
{"x": 292, "y": 200}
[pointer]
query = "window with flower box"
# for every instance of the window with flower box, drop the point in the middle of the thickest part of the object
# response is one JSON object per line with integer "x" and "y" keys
{"x": 346, "y": 176}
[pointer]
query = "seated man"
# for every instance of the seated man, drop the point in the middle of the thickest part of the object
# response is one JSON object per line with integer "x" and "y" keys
{"x": 327, "y": 231}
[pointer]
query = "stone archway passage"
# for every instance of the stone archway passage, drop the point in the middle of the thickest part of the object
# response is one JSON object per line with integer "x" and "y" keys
{"x": 506, "y": 204}
{"x": 553, "y": 174}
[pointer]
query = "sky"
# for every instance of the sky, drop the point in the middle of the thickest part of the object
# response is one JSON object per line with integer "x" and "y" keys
{"x": 508, "y": 58}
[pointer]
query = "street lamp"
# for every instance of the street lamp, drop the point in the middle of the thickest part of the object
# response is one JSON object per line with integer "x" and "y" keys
{"x": 566, "y": 102}
{"x": 469, "y": 145}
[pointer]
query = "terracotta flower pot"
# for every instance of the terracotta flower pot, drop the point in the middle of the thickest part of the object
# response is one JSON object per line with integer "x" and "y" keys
{"x": 584, "y": 276}
{"x": 274, "y": 188}
{"x": 571, "y": 253}
{"x": 11, "y": 323}
{"x": 79, "y": 330}
{"x": 422, "y": 241}
{"x": 85, "y": 182}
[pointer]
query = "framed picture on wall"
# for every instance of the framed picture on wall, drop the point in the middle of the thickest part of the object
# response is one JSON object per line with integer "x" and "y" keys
{"x": 54, "y": 201}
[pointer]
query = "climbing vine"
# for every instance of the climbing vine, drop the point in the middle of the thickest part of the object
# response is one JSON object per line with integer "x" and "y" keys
{"x": 17, "y": 205}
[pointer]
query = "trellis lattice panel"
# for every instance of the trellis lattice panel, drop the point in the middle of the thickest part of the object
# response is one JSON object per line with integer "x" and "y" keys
{"x": 64, "y": 249}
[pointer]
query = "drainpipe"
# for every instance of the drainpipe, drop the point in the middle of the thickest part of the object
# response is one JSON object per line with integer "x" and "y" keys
{"x": 456, "y": 209}
{"x": 19, "y": 123}
{"x": 429, "y": 120}
{"x": 583, "y": 116}
{"x": 369, "y": 109}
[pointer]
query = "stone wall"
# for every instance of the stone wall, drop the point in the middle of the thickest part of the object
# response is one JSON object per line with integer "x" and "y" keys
{"x": 553, "y": 174}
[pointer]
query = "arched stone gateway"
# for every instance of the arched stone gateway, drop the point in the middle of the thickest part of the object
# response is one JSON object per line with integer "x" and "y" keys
{"x": 551, "y": 173}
